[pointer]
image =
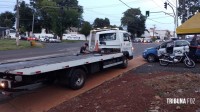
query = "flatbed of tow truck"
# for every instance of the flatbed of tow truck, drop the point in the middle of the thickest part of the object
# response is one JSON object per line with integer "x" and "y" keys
{"x": 36, "y": 66}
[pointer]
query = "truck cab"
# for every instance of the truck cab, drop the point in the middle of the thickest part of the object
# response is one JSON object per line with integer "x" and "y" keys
{"x": 111, "y": 40}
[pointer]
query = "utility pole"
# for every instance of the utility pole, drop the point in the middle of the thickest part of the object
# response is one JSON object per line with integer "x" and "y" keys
{"x": 153, "y": 30}
{"x": 33, "y": 22}
{"x": 17, "y": 24}
{"x": 176, "y": 19}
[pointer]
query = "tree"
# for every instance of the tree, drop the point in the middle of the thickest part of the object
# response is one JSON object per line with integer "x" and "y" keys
{"x": 100, "y": 23}
{"x": 58, "y": 15}
{"x": 187, "y": 9}
{"x": 134, "y": 21}
{"x": 26, "y": 17}
{"x": 86, "y": 27}
{"x": 7, "y": 19}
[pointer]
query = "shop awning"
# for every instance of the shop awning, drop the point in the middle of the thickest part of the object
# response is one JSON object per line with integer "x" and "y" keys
{"x": 191, "y": 26}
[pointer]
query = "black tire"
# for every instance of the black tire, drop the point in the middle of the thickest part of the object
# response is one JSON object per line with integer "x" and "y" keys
{"x": 151, "y": 58}
{"x": 189, "y": 63}
{"x": 77, "y": 79}
{"x": 163, "y": 63}
{"x": 125, "y": 62}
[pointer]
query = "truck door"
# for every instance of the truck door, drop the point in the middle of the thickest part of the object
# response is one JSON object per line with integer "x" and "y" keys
{"x": 92, "y": 40}
{"x": 127, "y": 44}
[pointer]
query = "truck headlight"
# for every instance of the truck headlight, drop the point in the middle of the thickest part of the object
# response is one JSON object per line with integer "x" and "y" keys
{"x": 132, "y": 48}
{"x": 4, "y": 84}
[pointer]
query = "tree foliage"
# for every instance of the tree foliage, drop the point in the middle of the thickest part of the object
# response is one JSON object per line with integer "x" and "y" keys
{"x": 57, "y": 15}
{"x": 100, "y": 23}
{"x": 26, "y": 17}
{"x": 187, "y": 9}
{"x": 85, "y": 29}
{"x": 7, "y": 19}
{"x": 134, "y": 21}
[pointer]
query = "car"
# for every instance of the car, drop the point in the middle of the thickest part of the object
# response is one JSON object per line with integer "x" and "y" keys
{"x": 147, "y": 40}
{"x": 152, "y": 54}
{"x": 23, "y": 37}
{"x": 32, "y": 38}
{"x": 52, "y": 40}
{"x": 43, "y": 38}
{"x": 159, "y": 41}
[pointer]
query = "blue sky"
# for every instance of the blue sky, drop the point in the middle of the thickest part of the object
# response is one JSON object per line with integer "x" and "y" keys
{"x": 113, "y": 9}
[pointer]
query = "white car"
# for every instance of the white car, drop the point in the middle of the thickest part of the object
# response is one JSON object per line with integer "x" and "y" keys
{"x": 51, "y": 39}
{"x": 43, "y": 39}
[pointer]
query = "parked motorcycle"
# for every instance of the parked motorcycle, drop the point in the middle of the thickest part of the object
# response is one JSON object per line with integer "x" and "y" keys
{"x": 176, "y": 57}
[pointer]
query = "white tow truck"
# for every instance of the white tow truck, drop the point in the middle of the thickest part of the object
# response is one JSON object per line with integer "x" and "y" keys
{"x": 109, "y": 47}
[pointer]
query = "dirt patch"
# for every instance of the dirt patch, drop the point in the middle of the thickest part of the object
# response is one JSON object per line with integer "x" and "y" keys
{"x": 149, "y": 88}
{"x": 176, "y": 92}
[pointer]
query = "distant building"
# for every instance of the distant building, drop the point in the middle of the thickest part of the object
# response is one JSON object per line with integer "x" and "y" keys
{"x": 3, "y": 31}
{"x": 72, "y": 34}
{"x": 158, "y": 34}
{"x": 43, "y": 34}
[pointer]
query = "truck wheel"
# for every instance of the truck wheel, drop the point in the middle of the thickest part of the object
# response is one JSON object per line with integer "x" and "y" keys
{"x": 77, "y": 79}
{"x": 125, "y": 62}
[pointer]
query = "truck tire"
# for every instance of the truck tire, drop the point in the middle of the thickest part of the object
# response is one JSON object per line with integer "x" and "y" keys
{"x": 77, "y": 79}
{"x": 125, "y": 62}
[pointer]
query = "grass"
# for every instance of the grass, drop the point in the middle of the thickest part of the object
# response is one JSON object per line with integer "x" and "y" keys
{"x": 10, "y": 44}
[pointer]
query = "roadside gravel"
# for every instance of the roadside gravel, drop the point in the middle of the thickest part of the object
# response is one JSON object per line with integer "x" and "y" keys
{"x": 143, "y": 89}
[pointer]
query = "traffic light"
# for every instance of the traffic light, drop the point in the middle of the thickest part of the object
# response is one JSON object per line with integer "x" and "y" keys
{"x": 165, "y": 5}
{"x": 147, "y": 13}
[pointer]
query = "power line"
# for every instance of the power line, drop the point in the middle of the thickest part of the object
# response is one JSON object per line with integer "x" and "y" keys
{"x": 160, "y": 17}
{"x": 125, "y": 4}
{"x": 156, "y": 4}
{"x": 102, "y": 13}
{"x": 158, "y": 21}
{"x": 170, "y": 3}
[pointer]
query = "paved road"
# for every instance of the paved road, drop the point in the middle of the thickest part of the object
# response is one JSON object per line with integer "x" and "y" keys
{"x": 50, "y": 48}
{"x": 57, "y": 48}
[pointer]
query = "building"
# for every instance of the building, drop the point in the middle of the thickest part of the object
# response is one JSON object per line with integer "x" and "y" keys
{"x": 158, "y": 34}
{"x": 3, "y": 31}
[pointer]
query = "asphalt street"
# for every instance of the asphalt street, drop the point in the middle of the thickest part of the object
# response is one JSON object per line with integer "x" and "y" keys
{"x": 58, "y": 48}
{"x": 49, "y": 49}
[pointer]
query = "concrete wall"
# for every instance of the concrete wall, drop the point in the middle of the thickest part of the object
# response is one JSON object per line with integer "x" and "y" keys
{"x": 74, "y": 37}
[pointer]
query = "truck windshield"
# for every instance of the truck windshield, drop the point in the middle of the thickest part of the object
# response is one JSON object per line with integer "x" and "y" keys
{"x": 107, "y": 37}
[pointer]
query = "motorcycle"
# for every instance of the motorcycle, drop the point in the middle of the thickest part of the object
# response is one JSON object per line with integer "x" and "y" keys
{"x": 176, "y": 57}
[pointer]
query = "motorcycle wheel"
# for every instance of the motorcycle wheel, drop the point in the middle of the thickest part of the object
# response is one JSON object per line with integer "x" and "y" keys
{"x": 189, "y": 63}
{"x": 164, "y": 63}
